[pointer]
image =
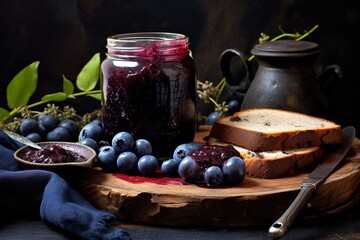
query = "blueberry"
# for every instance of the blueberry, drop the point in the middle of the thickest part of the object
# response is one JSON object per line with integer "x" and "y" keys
{"x": 90, "y": 143}
{"x": 107, "y": 158}
{"x": 102, "y": 147}
{"x": 170, "y": 167}
{"x": 29, "y": 125}
{"x": 58, "y": 134}
{"x": 49, "y": 122}
{"x": 92, "y": 131}
{"x": 122, "y": 141}
{"x": 234, "y": 170}
{"x": 34, "y": 137}
{"x": 233, "y": 106}
{"x": 213, "y": 176}
{"x": 96, "y": 122}
{"x": 127, "y": 162}
{"x": 182, "y": 151}
{"x": 212, "y": 117}
{"x": 189, "y": 169}
{"x": 40, "y": 117}
{"x": 142, "y": 147}
{"x": 42, "y": 131}
{"x": 71, "y": 126}
{"x": 147, "y": 165}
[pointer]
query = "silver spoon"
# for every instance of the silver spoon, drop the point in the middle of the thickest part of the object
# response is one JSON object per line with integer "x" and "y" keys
{"x": 22, "y": 139}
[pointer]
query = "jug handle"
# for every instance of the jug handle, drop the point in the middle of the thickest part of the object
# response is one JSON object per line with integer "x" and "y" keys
{"x": 224, "y": 65}
{"x": 330, "y": 75}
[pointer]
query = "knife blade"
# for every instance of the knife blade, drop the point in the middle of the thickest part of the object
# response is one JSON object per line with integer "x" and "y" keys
{"x": 21, "y": 139}
{"x": 329, "y": 162}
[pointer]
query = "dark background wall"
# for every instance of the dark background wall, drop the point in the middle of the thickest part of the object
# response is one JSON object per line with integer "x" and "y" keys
{"x": 63, "y": 36}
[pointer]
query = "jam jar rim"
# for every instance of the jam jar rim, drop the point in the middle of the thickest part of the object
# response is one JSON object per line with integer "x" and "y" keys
{"x": 163, "y": 43}
{"x": 136, "y": 37}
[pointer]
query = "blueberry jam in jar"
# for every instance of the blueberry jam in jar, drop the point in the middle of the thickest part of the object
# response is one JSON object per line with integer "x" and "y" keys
{"x": 149, "y": 89}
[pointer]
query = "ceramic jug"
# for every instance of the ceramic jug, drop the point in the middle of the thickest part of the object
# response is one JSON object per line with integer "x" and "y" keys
{"x": 285, "y": 77}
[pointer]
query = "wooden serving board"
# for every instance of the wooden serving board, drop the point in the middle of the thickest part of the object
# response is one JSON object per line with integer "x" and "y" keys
{"x": 251, "y": 203}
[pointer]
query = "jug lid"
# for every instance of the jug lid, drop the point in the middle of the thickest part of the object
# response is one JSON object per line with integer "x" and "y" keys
{"x": 286, "y": 48}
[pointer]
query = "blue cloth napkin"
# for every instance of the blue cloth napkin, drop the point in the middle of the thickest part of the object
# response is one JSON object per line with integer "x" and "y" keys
{"x": 24, "y": 191}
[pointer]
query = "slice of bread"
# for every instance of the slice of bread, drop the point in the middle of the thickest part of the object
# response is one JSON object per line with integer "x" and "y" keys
{"x": 278, "y": 163}
{"x": 264, "y": 129}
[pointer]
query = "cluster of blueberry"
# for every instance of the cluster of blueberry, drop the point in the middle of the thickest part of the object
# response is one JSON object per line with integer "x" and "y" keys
{"x": 215, "y": 165}
{"x": 47, "y": 128}
{"x": 123, "y": 154}
{"x": 170, "y": 166}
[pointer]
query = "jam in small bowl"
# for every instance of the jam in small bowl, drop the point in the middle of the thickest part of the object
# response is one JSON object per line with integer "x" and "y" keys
{"x": 56, "y": 155}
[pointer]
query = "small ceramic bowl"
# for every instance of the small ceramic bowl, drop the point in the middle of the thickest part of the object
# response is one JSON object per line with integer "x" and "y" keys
{"x": 88, "y": 153}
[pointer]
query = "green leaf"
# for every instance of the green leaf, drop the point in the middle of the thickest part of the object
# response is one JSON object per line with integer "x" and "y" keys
{"x": 56, "y": 97}
{"x": 22, "y": 86}
{"x": 89, "y": 75}
{"x": 4, "y": 114}
{"x": 68, "y": 86}
{"x": 97, "y": 96}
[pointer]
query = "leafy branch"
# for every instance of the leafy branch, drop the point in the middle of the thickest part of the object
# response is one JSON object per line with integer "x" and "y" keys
{"x": 23, "y": 85}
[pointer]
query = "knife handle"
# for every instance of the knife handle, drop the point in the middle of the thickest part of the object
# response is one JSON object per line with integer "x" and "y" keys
{"x": 281, "y": 226}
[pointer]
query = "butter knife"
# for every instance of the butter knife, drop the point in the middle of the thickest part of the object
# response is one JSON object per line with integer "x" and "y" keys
{"x": 312, "y": 182}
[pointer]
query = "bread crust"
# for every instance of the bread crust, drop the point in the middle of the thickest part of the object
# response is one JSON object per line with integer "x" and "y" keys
{"x": 261, "y": 141}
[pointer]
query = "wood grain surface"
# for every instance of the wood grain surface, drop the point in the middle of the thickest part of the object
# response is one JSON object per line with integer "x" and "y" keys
{"x": 253, "y": 202}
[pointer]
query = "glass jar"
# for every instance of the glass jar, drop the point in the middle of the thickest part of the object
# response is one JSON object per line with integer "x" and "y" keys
{"x": 149, "y": 89}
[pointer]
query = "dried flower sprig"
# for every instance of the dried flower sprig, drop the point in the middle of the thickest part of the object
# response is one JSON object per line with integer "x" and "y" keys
{"x": 209, "y": 93}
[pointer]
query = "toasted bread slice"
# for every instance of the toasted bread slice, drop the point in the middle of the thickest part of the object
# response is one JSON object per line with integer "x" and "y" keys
{"x": 263, "y": 129}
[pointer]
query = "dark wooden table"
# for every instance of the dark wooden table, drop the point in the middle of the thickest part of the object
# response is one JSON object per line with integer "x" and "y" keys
{"x": 344, "y": 225}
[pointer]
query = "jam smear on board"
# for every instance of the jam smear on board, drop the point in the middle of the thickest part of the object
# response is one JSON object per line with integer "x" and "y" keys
{"x": 158, "y": 178}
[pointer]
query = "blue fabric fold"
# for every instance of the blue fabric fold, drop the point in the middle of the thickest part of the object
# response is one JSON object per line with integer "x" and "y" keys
{"x": 25, "y": 192}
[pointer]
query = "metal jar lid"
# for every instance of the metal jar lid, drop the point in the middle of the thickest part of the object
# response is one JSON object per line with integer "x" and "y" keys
{"x": 286, "y": 48}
